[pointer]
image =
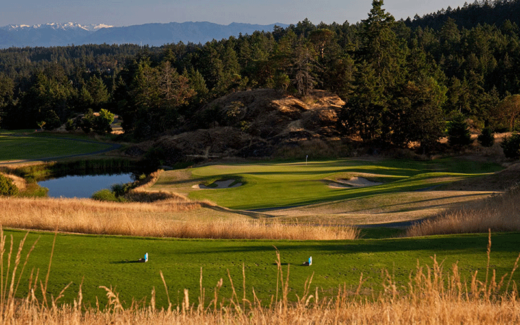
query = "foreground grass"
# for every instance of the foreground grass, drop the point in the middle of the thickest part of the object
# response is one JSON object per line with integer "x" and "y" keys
{"x": 272, "y": 185}
{"x": 109, "y": 261}
{"x": 32, "y": 147}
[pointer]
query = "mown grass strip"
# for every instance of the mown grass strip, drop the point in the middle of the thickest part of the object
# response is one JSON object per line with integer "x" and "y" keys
{"x": 111, "y": 260}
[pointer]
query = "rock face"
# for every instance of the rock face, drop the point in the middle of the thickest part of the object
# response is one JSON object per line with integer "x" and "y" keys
{"x": 258, "y": 123}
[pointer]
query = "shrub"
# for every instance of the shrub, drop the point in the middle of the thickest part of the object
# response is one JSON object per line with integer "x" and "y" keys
{"x": 70, "y": 125}
{"x": 105, "y": 195}
{"x": 458, "y": 132}
{"x": 87, "y": 122}
{"x": 511, "y": 146}
{"x": 155, "y": 157}
{"x": 118, "y": 190}
{"x": 52, "y": 121}
{"x": 103, "y": 121}
{"x": 7, "y": 187}
{"x": 486, "y": 138}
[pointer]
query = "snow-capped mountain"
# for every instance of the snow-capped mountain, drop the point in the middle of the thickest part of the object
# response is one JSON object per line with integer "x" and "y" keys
{"x": 55, "y": 26}
{"x": 62, "y": 34}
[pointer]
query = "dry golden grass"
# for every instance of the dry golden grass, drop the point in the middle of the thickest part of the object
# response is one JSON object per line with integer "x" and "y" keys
{"x": 147, "y": 219}
{"x": 498, "y": 213}
{"x": 432, "y": 296}
{"x": 149, "y": 181}
{"x": 382, "y": 208}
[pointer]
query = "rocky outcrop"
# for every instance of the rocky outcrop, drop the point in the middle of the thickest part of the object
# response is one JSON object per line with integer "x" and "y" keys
{"x": 257, "y": 123}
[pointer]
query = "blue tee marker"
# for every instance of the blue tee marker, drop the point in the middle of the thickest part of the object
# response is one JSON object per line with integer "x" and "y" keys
{"x": 310, "y": 261}
{"x": 146, "y": 257}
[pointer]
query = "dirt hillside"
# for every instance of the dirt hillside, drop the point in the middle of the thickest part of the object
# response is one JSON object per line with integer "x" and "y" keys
{"x": 257, "y": 123}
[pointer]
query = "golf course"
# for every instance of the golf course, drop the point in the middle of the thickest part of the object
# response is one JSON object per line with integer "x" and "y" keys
{"x": 396, "y": 190}
{"x": 339, "y": 192}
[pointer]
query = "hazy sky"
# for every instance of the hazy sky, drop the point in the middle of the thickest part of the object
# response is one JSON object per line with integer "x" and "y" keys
{"x": 134, "y": 12}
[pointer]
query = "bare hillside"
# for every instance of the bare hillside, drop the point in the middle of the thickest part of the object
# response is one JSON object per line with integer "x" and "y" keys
{"x": 257, "y": 123}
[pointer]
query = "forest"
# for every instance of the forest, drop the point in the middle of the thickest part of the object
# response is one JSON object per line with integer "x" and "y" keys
{"x": 401, "y": 80}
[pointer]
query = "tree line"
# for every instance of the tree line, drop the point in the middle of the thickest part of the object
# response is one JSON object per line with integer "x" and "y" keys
{"x": 402, "y": 81}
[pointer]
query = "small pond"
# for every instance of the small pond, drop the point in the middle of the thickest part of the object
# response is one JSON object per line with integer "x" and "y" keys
{"x": 83, "y": 186}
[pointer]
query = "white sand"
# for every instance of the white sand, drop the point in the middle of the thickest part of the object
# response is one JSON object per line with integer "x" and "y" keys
{"x": 353, "y": 182}
{"x": 220, "y": 185}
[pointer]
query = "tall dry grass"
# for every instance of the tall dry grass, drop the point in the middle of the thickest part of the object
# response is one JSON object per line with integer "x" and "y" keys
{"x": 432, "y": 296}
{"x": 149, "y": 219}
{"x": 149, "y": 181}
{"x": 498, "y": 213}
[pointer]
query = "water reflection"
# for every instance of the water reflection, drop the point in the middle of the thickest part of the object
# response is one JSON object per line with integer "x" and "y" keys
{"x": 83, "y": 186}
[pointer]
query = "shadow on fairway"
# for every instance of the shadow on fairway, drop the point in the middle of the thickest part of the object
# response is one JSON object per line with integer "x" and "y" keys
{"x": 125, "y": 262}
{"x": 447, "y": 244}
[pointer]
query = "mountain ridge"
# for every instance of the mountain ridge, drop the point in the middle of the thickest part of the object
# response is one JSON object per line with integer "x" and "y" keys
{"x": 153, "y": 34}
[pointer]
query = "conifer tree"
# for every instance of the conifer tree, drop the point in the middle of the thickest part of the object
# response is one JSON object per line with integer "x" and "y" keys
{"x": 98, "y": 91}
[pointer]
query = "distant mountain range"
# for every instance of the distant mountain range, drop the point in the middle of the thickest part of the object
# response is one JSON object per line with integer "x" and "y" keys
{"x": 55, "y": 34}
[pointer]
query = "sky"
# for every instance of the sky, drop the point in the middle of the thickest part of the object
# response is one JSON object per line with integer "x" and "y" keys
{"x": 136, "y": 12}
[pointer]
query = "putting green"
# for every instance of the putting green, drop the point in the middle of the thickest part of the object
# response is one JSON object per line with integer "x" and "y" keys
{"x": 110, "y": 261}
{"x": 272, "y": 185}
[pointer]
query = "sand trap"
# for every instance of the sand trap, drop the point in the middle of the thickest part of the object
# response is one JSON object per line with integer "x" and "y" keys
{"x": 353, "y": 182}
{"x": 220, "y": 185}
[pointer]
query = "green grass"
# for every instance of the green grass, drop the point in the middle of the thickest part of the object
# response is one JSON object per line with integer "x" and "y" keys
{"x": 39, "y": 147}
{"x": 270, "y": 185}
{"x": 102, "y": 261}
{"x": 20, "y": 131}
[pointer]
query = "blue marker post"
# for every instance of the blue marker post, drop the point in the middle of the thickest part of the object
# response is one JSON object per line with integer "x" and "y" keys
{"x": 310, "y": 261}
{"x": 146, "y": 257}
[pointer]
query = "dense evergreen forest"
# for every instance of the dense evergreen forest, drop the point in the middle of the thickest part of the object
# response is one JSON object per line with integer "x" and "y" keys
{"x": 402, "y": 80}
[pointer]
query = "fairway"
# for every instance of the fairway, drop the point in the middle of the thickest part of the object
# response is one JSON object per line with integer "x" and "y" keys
{"x": 15, "y": 148}
{"x": 295, "y": 184}
{"x": 110, "y": 261}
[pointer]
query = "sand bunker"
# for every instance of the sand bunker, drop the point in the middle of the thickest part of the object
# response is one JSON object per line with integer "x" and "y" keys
{"x": 353, "y": 182}
{"x": 220, "y": 185}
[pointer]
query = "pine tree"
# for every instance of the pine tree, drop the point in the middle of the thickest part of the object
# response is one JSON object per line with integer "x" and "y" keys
{"x": 98, "y": 91}
{"x": 458, "y": 131}
{"x": 368, "y": 104}
{"x": 420, "y": 117}
{"x": 380, "y": 46}
{"x": 198, "y": 84}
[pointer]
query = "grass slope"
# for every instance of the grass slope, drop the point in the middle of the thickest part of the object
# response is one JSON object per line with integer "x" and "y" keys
{"x": 106, "y": 261}
{"x": 270, "y": 185}
{"x": 29, "y": 147}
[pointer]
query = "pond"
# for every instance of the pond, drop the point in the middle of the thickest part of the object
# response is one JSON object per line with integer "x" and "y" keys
{"x": 83, "y": 186}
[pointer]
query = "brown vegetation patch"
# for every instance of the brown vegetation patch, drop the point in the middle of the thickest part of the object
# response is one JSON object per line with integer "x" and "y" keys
{"x": 147, "y": 219}
{"x": 149, "y": 181}
{"x": 498, "y": 213}
{"x": 383, "y": 208}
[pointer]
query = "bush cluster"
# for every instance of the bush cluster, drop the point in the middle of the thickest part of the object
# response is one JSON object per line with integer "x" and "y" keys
{"x": 106, "y": 195}
{"x": 511, "y": 146}
{"x": 7, "y": 187}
